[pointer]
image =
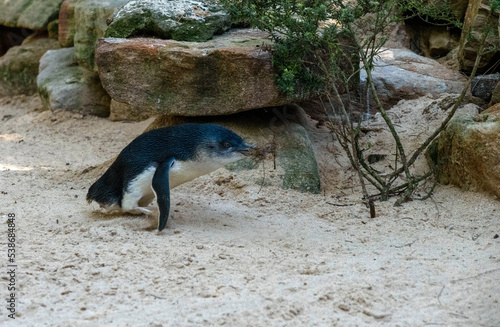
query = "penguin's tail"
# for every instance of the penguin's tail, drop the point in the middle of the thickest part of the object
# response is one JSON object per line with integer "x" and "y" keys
{"x": 91, "y": 196}
{"x": 103, "y": 193}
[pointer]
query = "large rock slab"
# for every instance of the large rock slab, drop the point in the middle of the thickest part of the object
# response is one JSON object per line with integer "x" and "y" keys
{"x": 292, "y": 164}
{"x": 19, "y": 66}
{"x": 402, "y": 74}
{"x": 63, "y": 85}
{"x": 228, "y": 74}
{"x": 123, "y": 112}
{"x": 467, "y": 153}
{"x": 181, "y": 20}
{"x": 33, "y": 14}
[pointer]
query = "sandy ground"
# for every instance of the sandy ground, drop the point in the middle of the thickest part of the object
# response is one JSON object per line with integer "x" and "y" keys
{"x": 234, "y": 254}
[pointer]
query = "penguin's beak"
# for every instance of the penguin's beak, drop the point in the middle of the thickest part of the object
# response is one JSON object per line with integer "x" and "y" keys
{"x": 245, "y": 149}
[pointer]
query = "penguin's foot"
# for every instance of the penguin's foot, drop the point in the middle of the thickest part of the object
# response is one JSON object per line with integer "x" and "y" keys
{"x": 139, "y": 211}
{"x": 108, "y": 209}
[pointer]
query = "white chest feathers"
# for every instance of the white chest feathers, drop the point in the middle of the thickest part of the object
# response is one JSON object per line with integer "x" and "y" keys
{"x": 139, "y": 191}
{"x": 184, "y": 171}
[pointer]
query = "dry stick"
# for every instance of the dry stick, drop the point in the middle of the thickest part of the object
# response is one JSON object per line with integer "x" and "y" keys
{"x": 393, "y": 177}
{"x": 347, "y": 121}
{"x": 430, "y": 193}
{"x": 457, "y": 103}
{"x": 388, "y": 121}
{"x": 407, "y": 163}
{"x": 367, "y": 64}
{"x": 343, "y": 140}
{"x": 378, "y": 183}
{"x": 439, "y": 295}
{"x": 416, "y": 180}
{"x": 434, "y": 185}
{"x": 475, "y": 276}
{"x": 263, "y": 177}
{"x": 370, "y": 43}
{"x": 355, "y": 158}
{"x": 400, "y": 188}
{"x": 367, "y": 167}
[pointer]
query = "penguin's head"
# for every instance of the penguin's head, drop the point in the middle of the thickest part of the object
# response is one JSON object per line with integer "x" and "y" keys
{"x": 222, "y": 145}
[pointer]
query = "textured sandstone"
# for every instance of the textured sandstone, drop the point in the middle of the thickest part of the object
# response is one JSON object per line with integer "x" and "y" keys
{"x": 228, "y": 74}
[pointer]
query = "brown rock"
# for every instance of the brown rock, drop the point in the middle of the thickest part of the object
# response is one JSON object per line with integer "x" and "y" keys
{"x": 430, "y": 40}
{"x": 466, "y": 153}
{"x": 66, "y": 24}
{"x": 494, "y": 110}
{"x": 441, "y": 42}
{"x": 229, "y": 74}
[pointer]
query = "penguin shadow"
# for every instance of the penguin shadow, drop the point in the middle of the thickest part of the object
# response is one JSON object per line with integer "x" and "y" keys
{"x": 200, "y": 218}
{"x": 139, "y": 222}
{"x": 148, "y": 222}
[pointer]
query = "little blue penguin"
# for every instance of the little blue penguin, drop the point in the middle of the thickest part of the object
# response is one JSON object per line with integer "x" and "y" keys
{"x": 161, "y": 159}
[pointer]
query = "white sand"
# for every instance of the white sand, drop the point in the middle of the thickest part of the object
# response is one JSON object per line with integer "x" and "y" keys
{"x": 232, "y": 255}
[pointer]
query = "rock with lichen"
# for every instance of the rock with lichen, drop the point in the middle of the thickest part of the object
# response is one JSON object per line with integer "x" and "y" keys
{"x": 19, "y": 66}
{"x": 467, "y": 153}
{"x": 179, "y": 20}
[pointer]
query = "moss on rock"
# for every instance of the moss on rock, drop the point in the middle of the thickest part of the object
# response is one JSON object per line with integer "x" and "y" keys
{"x": 19, "y": 66}
{"x": 179, "y": 20}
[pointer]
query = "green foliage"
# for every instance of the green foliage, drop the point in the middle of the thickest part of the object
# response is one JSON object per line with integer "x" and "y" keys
{"x": 431, "y": 11}
{"x": 299, "y": 33}
{"x": 307, "y": 53}
{"x": 495, "y": 4}
{"x": 308, "y": 30}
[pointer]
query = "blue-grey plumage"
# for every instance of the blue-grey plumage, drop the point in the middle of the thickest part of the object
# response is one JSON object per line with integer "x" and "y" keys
{"x": 196, "y": 150}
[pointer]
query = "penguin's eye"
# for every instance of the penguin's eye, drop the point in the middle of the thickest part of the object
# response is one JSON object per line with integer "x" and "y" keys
{"x": 226, "y": 145}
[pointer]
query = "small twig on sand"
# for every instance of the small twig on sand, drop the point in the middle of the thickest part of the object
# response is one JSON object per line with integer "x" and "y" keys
{"x": 341, "y": 204}
{"x": 259, "y": 154}
{"x": 402, "y": 246}
{"x": 439, "y": 295}
{"x": 475, "y": 276}
{"x": 156, "y": 296}
{"x": 263, "y": 177}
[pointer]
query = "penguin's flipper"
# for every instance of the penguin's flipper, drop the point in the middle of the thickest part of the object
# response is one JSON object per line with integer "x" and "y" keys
{"x": 162, "y": 189}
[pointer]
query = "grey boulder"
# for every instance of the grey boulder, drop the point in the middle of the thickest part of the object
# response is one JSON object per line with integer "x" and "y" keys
{"x": 63, "y": 85}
